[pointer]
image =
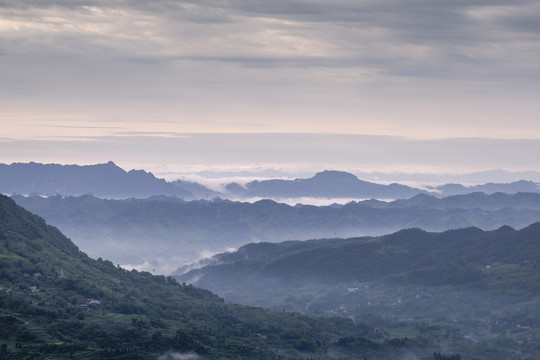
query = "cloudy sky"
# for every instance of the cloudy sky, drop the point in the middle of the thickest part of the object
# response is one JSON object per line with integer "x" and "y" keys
{"x": 180, "y": 85}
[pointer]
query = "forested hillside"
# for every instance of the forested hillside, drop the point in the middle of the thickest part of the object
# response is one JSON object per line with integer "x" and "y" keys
{"x": 56, "y": 302}
{"x": 481, "y": 286}
{"x": 408, "y": 256}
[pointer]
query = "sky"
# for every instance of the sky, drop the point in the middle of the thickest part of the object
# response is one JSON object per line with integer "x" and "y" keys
{"x": 297, "y": 85}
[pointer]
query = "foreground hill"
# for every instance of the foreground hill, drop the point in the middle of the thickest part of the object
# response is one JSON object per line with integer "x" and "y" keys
{"x": 56, "y": 302}
{"x": 163, "y": 233}
{"x": 480, "y": 286}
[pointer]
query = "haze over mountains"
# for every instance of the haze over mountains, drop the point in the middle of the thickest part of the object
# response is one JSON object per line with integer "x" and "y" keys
{"x": 58, "y": 303}
{"x": 110, "y": 181}
{"x": 406, "y": 257}
{"x": 157, "y": 225}
{"x": 103, "y": 180}
{"x": 375, "y": 163}
{"x": 410, "y": 293}
{"x": 160, "y": 233}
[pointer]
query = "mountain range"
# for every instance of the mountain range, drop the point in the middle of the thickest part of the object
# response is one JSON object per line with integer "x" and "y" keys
{"x": 329, "y": 184}
{"x": 110, "y": 181}
{"x": 103, "y": 180}
{"x": 159, "y": 234}
{"x": 411, "y": 294}
{"x": 408, "y": 295}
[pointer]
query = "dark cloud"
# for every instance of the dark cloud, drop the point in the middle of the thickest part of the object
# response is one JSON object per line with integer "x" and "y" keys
{"x": 521, "y": 20}
{"x": 387, "y": 32}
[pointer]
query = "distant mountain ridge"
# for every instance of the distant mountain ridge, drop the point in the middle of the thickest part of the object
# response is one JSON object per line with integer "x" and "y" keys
{"x": 103, "y": 180}
{"x": 489, "y": 188}
{"x": 339, "y": 184}
{"x": 169, "y": 231}
{"x": 330, "y": 184}
{"x": 110, "y": 181}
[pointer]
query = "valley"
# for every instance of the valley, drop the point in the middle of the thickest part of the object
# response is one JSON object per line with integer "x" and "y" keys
{"x": 426, "y": 276}
{"x": 159, "y": 234}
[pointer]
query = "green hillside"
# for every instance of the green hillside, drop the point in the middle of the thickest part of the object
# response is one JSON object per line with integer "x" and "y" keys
{"x": 58, "y": 303}
{"x": 469, "y": 290}
{"x": 467, "y": 257}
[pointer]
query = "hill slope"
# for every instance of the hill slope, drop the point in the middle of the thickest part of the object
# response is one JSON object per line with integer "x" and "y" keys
{"x": 480, "y": 286}
{"x": 56, "y": 302}
{"x": 412, "y": 256}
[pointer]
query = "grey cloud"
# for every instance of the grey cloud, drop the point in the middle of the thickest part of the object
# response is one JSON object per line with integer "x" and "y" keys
{"x": 442, "y": 27}
{"x": 525, "y": 20}
{"x": 307, "y": 54}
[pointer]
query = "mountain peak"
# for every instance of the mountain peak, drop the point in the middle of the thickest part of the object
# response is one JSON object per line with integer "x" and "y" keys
{"x": 334, "y": 175}
{"x": 103, "y": 180}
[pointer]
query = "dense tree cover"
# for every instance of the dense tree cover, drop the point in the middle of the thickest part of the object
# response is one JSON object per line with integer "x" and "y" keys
{"x": 456, "y": 257}
{"x": 56, "y": 302}
{"x": 469, "y": 290}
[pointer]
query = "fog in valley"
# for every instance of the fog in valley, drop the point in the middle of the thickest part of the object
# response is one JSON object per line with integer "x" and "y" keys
{"x": 449, "y": 268}
{"x": 161, "y": 234}
{"x": 269, "y": 180}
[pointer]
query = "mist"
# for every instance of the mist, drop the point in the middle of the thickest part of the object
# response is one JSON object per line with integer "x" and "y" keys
{"x": 475, "y": 299}
{"x": 162, "y": 234}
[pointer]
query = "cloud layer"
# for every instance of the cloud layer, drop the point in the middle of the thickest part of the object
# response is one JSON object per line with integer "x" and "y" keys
{"x": 76, "y": 70}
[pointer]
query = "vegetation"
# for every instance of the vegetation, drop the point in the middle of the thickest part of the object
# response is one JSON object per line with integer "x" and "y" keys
{"x": 472, "y": 291}
{"x": 56, "y": 302}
